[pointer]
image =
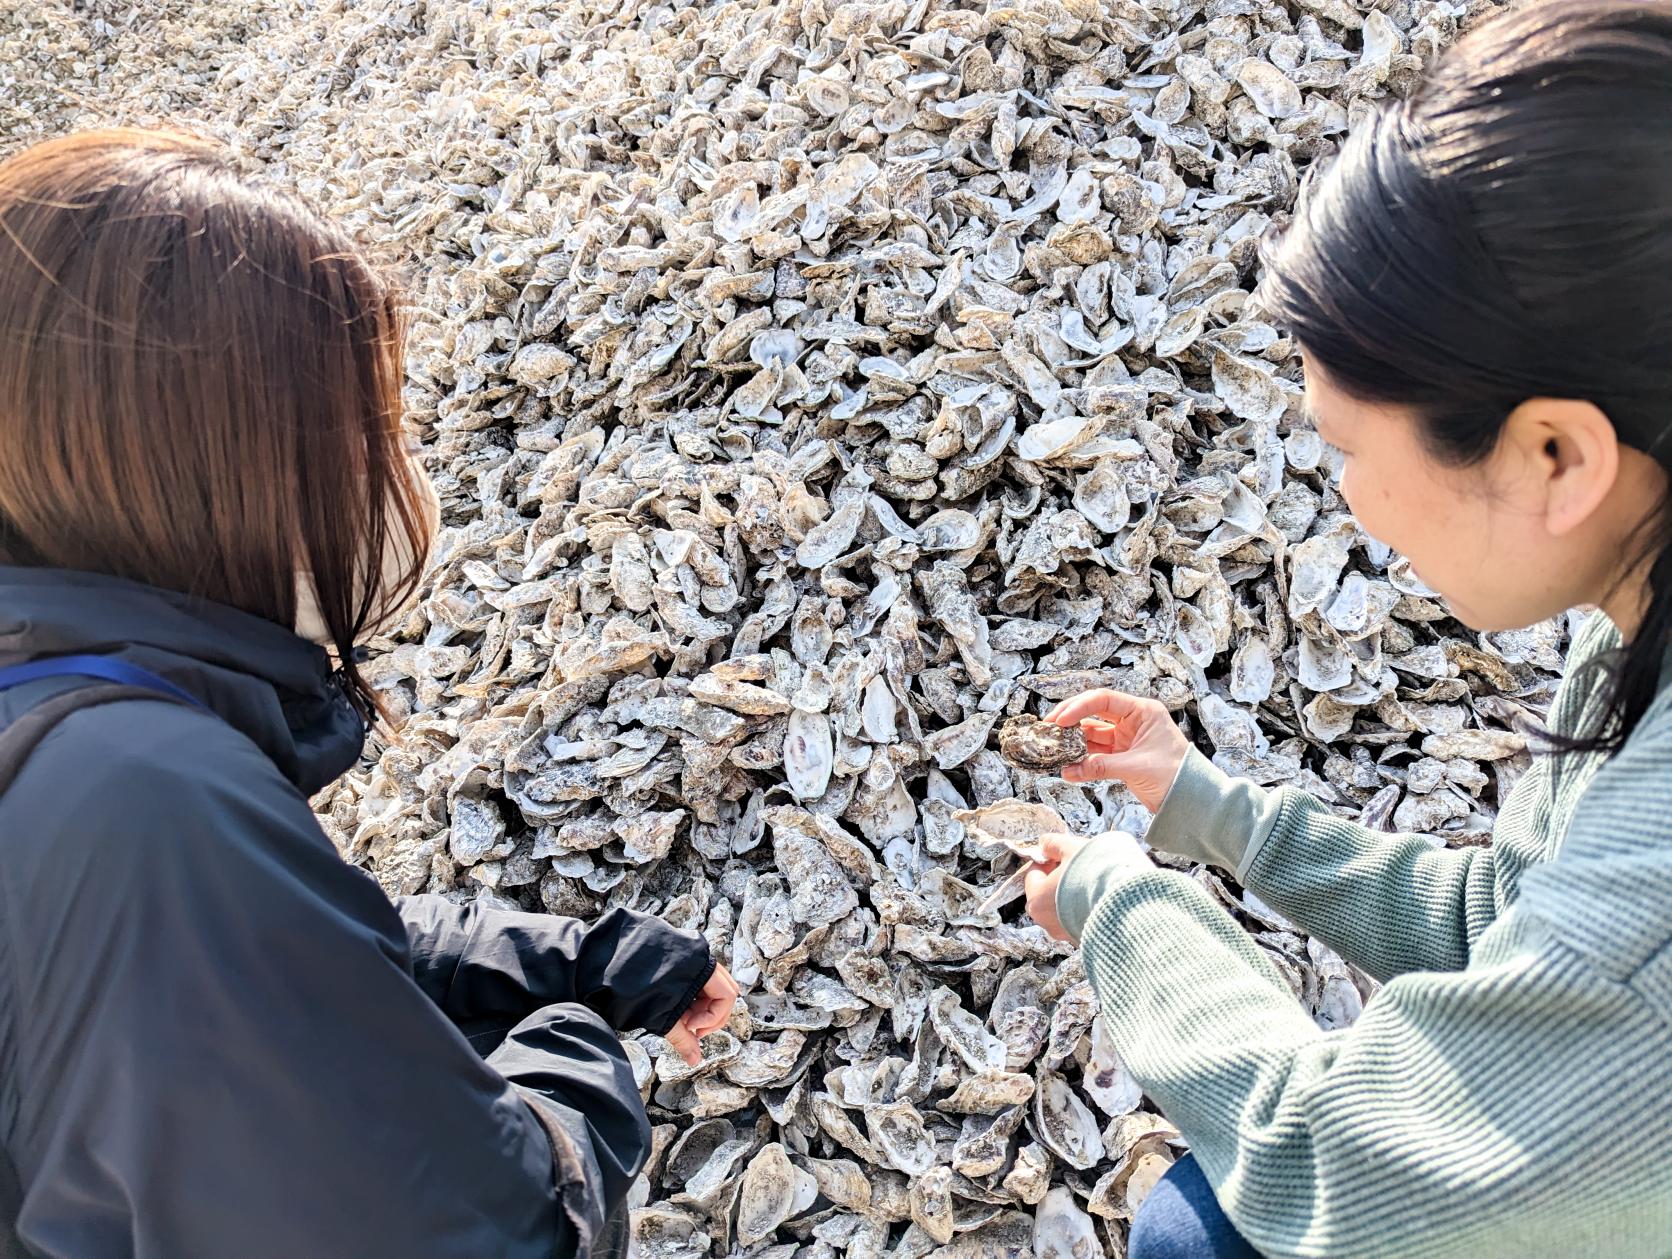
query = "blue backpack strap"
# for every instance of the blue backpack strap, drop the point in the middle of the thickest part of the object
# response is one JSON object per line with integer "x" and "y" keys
{"x": 105, "y": 668}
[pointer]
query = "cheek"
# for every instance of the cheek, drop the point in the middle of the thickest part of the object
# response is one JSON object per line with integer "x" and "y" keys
{"x": 1423, "y": 516}
{"x": 1399, "y": 511}
{"x": 1349, "y": 485}
{"x": 1367, "y": 498}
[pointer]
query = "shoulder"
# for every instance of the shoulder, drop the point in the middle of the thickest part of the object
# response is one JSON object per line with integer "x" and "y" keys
{"x": 147, "y": 754}
{"x": 1638, "y": 778}
{"x": 142, "y": 790}
{"x": 1608, "y": 891}
{"x": 148, "y": 830}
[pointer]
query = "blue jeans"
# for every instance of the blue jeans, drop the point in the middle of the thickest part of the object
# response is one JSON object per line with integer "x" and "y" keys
{"x": 1181, "y": 1219}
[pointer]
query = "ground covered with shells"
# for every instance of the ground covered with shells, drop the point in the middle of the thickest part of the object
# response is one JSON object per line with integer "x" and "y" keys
{"x": 812, "y": 387}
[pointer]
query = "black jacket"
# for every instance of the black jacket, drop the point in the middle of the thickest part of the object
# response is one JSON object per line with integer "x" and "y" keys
{"x": 218, "y": 1039}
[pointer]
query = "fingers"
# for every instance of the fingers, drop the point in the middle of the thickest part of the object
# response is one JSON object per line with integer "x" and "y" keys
{"x": 683, "y": 1042}
{"x": 1041, "y": 885}
{"x": 721, "y": 986}
{"x": 708, "y": 1014}
{"x": 714, "y": 1004}
{"x": 1105, "y": 703}
{"x": 1102, "y": 737}
{"x": 1096, "y": 767}
{"x": 1060, "y": 848}
{"x": 1051, "y": 713}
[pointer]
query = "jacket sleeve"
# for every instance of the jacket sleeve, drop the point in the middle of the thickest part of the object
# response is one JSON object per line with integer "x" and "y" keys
{"x": 1388, "y": 903}
{"x": 476, "y": 962}
{"x": 1445, "y": 1121}
{"x": 227, "y": 1053}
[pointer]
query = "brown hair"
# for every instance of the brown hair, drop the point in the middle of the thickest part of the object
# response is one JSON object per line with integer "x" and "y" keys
{"x": 200, "y": 386}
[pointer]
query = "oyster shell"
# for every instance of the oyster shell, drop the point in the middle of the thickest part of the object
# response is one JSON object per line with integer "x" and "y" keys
{"x": 772, "y": 1191}
{"x": 1030, "y": 743}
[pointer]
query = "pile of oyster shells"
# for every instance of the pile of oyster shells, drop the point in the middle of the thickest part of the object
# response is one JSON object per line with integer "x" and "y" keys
{"x": 813, "y": 388}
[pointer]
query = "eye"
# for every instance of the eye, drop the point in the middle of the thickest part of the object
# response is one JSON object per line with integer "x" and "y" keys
{"x": 1335, "y": 450}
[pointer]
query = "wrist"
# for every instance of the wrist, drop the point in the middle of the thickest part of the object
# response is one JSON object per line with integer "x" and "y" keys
{"x": 704, "y": 972}
{"x": 1208, "y": 816}
{"x": 1168, "y": 779}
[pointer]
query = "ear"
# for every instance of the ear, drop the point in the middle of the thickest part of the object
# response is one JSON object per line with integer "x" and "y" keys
{"x": 1569, "y": 450}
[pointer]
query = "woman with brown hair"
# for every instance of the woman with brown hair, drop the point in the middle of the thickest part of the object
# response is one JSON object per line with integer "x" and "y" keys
{"x": 216, "y": 1038}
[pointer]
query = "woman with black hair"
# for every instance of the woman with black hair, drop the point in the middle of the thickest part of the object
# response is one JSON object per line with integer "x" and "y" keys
{"x": 1482, "y": 288}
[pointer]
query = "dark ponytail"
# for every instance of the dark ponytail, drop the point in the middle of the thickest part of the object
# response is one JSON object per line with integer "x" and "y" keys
{"x": 1504, "y": 234}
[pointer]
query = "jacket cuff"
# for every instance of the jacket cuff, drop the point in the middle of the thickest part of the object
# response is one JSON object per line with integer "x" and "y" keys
{"x": 1210, "y": 817}
{"x": 705, "y": 971}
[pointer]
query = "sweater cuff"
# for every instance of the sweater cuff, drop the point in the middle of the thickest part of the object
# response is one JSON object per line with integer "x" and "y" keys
{"x": 1210, "y": 817}
{"x": 1091, "y": 874}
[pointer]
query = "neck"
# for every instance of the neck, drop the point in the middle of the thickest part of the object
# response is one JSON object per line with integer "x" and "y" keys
{"x": 1626, "y": 604}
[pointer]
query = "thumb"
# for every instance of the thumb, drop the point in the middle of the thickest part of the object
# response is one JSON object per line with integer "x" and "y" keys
{"x": 1059, "y": 848}
{"x": 684, "y": 1043}
{"x": 1098, "y": 766}
{"x": 708, "y": 1014}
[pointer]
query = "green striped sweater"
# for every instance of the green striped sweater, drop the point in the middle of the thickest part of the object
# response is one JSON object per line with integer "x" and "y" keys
{"x": 1507, "y": 1092}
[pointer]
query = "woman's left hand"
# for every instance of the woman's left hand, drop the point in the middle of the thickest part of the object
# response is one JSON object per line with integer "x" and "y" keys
{"x": 708, "y": 1013}
{"x": 1043, "y": 877}
{"x": 1124, "y": 852}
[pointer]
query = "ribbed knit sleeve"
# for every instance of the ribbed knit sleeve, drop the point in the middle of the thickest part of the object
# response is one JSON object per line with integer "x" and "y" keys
{"x": 1457, "y": 1117}
{"x": 1525, "y": 1013}
{"x": 1387, "y": 903}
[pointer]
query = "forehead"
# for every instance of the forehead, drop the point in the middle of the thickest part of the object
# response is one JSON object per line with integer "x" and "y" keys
{"x": 1322, "y": 401}
{"x": 1317, "y": 397}
{"x": 1343, "y": 420}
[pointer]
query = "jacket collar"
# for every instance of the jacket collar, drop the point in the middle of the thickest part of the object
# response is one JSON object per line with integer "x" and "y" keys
{"x": 274, "y": 687}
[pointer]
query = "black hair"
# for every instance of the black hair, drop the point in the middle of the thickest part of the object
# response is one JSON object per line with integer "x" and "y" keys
{"x": 1502, "y": 234}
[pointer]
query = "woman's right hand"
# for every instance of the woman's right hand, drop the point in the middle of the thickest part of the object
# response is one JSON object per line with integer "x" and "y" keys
{"x": 1131, "y": 740}
{"x": 708, "y": 1013}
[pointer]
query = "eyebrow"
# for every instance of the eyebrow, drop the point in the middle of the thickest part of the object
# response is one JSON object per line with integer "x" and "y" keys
{"x": 1311, "y": 417}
